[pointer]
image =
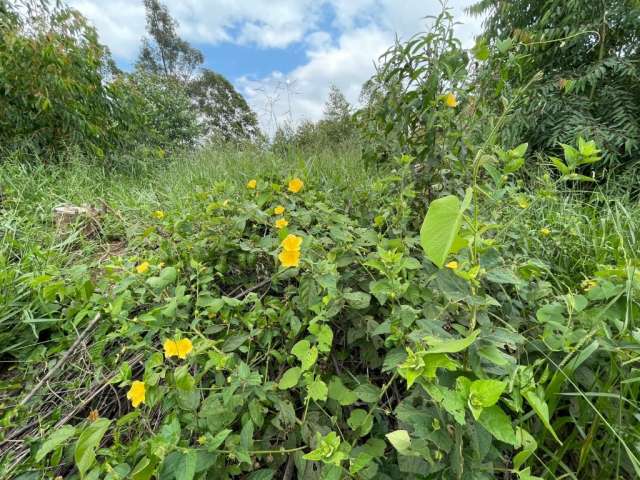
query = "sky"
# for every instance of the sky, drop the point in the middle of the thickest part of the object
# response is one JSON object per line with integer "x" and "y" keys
{"x": 281, "y": 55}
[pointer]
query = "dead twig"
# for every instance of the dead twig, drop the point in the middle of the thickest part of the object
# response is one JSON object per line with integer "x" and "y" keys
{"x": 61, "y": 362}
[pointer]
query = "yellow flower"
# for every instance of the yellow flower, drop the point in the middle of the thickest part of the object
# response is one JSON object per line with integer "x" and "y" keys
{"x": 177, "y": 348}
{"x": 279, "y": 210}
{"x": 136, "y": 393}
{"x": 296, "y": 185}
{"x": 281, "y": 223}
{"x": 450, "y": 100}
{"x": 291, "y": 243}
{"x": 252, "y": 184}
{"x": 453, "y": 265}
{"x": 545, "y": 232}
{"x": 159, "y": 214}
{"x": 143, "y": 267}
{"x": 589, "y": 284}
{"x": 289, "y": 258}
{"x": 522, "y": 203}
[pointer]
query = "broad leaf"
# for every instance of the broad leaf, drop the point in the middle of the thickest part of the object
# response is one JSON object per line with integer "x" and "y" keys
{"x": 441, "y": 225}
{"x": 57, "y": 438}
{"x": 290, "y": 378}
{"x": 89, "y": 440}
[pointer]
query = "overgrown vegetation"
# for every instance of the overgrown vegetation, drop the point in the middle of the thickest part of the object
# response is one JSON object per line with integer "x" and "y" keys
{"x": 418, "y": 293}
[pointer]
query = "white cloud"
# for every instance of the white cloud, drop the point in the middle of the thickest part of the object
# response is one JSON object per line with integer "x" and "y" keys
{"x": 301, "y": 93}
{"x": 265, "y": 23}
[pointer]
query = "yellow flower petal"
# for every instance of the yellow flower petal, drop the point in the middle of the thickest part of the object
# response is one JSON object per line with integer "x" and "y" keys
{"x": 136, "y": 393}
{"x": 291, "y": 243}
{"x": 281, "y": 223}
{"x": 159, "y": 214}
{"x": 450, "y": 100}
{"x": 143, "y": 267}
{"x": 452, "y": 265}
{"x": 289, "y": 258}
{"x": 295, "y": 185}
{"x": 170, "y": 348}
{"x": 184, "y": 348}
{"x": 279, "y": 210}
{"x": 252, "y": 184}
{"x": 545, "y": 232}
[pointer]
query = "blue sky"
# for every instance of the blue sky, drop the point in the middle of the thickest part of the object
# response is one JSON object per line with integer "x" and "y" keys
{"x": 282, "y": 55}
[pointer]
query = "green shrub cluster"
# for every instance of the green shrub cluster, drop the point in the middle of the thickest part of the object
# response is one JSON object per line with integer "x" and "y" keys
{"x": 389, "y": 344}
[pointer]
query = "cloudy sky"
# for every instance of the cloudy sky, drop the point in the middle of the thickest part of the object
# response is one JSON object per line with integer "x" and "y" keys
{"x": 282, "y": 55}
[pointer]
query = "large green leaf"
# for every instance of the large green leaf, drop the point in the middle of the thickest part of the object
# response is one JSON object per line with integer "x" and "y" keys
{"x": 57, "y": 438}
{"x": 498, "y": 424}
{"x": 290, "y": 378}
{"x": 401, "y": 441}
{"x": 89, "y": 440}
{"x": 439, "y": 345}
{"x": 441, "y": 225}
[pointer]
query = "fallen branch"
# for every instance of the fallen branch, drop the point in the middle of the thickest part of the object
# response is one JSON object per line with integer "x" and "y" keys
{"x": 61, "y": 362}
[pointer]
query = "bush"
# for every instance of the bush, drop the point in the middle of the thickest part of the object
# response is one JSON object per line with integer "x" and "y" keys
{"x": 54, "y": 92}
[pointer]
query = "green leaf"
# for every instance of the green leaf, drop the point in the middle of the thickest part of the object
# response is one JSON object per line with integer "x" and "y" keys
{"x": 559, "y": 164}
{"x": 323, "y": 334}
{"x": 290, "y": 378}
{"x": 340, "y": 393}
{"x": 367, "y": 392}
{"x": 481, "y": 50}
{"x": 439, "y": 345}
{"x": 262, "y": 474}
{"x": 179, "y": 465}
{"x": 498, "y": 424}
{"x": 401, "y": 441}
{"x": 485, "y": 393}
{"x": 317, "y": 390}
{"x": 214, "y": 442}
{"x": 519, "y": 151}
{"x": 305, "y": 353}
{"x": 57, "y": 438}
{"x": 542, "y": 410}
{"x": 441, "y": 225}
{"x": 360, "y": 422}
{"x": 87, "y": 443}
{"x": 168, "y": 275}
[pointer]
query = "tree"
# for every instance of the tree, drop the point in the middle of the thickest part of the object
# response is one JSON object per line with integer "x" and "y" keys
{"x": 165, "y": 53}
{"x": 225, "y": 114}
{"x": 589, "y": 53}
{"x": 53, "y": 89}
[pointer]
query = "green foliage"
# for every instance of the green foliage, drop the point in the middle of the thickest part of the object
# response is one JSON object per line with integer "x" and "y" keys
{"x": 165, "y": 53}
{"x": 588, "y": 53}
{"x": 54, "y": 92}
{"x": 336, "y": 131}
{"x": 406, "y": 109}
{"x": 165, "y": 116}
{"x": 225, "y": 115}
{"x": 222, "y": 113}
{"x": 366, "y": 361}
